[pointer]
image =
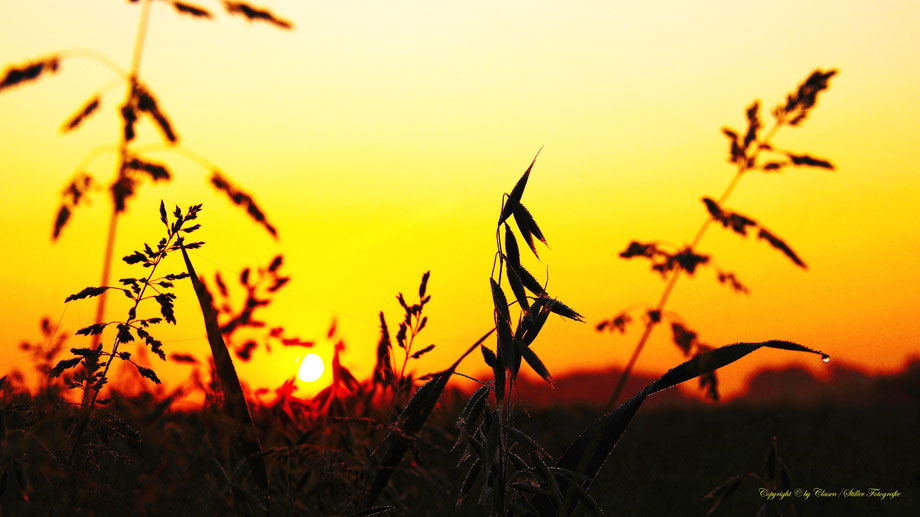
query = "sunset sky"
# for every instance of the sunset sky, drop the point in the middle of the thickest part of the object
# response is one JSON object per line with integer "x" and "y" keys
{"x": 379, "y": 138}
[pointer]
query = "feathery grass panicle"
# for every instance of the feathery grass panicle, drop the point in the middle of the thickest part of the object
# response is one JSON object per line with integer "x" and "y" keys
{"x": 747, "y": 153}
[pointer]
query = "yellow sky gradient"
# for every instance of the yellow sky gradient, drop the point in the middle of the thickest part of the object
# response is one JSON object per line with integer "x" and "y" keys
{"x": 379, "y": 138}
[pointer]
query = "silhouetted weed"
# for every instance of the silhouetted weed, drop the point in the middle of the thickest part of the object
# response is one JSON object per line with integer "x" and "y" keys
{"x": 95, "y": 360}
{"x": 139, "y": 104}
{"x": 751, "y": 151}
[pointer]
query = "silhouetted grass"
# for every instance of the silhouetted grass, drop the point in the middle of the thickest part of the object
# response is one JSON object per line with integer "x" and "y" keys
{"x": 392, "y": 443}
{"x": 752, "y": 152}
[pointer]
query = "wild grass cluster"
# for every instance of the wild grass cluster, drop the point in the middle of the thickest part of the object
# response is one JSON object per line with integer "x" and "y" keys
{"x": 359, "y": 447}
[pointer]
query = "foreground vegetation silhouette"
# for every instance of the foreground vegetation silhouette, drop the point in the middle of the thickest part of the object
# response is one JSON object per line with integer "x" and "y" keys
{"x": 356, "y": 448}
{"x": 747, "y": 152}
{"x": 134, "y": 165}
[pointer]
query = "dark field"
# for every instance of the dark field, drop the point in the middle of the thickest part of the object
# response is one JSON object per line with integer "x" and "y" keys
{"x": 143, "y": 461}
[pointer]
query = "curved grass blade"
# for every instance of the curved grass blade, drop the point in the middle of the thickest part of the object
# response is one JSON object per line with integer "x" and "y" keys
{"x": 408, "y": 424}
{"x": 589, "y": 451}
{"x": 781, "y": 245}
{"x": 411, "y": 420}
{"x": 234, "y": 400}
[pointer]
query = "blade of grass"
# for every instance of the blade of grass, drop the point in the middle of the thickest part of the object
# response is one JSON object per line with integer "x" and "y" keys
{"x": 234, "y": 400}
{"x": 411, "y": 421}
{"x": 589, "y": 451}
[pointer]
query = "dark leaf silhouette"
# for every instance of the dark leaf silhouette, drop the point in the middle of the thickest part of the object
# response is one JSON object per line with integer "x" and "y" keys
{"x": 18, "y": 74}
{"x": 533, "y": 321}
{"x": 192, "y": 10}
{"x": 92, "y": 329}
{"x": 778, "y": 243}
{"x": 687, "y": 260}
{"x": 588, "y": 452}
{"x": 530, "y": 282}
{"x": 638, "y": 249}
{"x": 565, "y": 311}
{"x": 155, "y": 170}
{"x": 72, "y": 195}
{"x": 166, "y": 306}
{"x": 512, "y": 253}
{"x": 59, "y": 221}
{"x": 753, "y": 124}
{"x": 736, "y": 152}
{"x": 245, "y": 352}
{"x": 809, "y": 161}
{"x": 135, "y": 258}
{"x": 411, "y": 420}
{"x": 148, "y": 373}
{"x": 82, "y": 114}
{"x": 517, "y": 287}
{"x": 183, "y": 358}
{"x": 63, "y": 365}
{"x": 242, "y": 199}
{"x": 147, "y": 103}
{"x": 469, "y": 480}
{"x": 500, "y": 302}
{"x": 732, "y": 281}
{"x": 423, "y": 286}
{"x": 124, "y": 333}
{"x": 275, "y": 263}
{"x": 800, "y": 103}
{"x": 737, "y": 222}
{"x": 684, "y": 338}
{"x": 514, "y": 198}
{"x": 409, "y": 423}
{"x": 528, "y": 227}
{"x": 234, "y": 399}
{"x": 423, "y": 351}
{"x": 122, "y": 190}
{"x": 473, "y": 408}
{"x": 129, "y": 118}
{"x": 383, "y": 371}
{"x": 536, "y": 364}
{"x": 255, "y": 13}
{"x": 89, "y": 292}
{"x": 616, "y": 324}
{"x": 709, "y": 383}
{"x": 489, "y": 357}
{"x": 155, "y": 345}
{"x": 773, "y": 166}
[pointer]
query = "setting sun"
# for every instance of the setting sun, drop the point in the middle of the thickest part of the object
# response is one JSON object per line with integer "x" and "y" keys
{"x": 311, "y": 368}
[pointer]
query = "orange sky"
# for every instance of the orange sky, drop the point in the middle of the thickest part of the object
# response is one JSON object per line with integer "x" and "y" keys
{"x": 380, "y": 137}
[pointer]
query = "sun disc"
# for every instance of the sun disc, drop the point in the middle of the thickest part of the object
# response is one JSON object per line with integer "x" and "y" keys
{"x": 311, "y": 368}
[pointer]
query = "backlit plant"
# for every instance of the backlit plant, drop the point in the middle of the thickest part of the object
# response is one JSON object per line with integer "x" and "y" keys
{"x": 752, "y": 151}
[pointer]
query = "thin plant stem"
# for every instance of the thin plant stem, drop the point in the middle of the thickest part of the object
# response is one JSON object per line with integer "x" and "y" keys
{"x": 122, "y": 162}
{"x": 93, "y": 390}
{"x": 672, "y": 281}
